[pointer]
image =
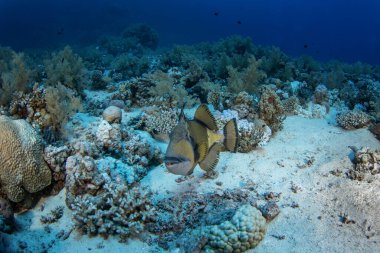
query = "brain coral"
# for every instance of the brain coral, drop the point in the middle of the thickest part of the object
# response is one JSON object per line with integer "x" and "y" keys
{"x": 22, "y": 167}
{"x": 245, "y": 231}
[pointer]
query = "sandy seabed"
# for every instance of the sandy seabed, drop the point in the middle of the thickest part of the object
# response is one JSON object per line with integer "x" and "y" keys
{"x": 297, "y": 163}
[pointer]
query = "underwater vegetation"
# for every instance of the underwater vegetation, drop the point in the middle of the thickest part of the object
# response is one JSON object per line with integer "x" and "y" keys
{"x": 90, "y": 121}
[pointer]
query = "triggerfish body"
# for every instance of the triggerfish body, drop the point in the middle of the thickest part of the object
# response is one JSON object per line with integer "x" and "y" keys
{"x": 197, "y": 141}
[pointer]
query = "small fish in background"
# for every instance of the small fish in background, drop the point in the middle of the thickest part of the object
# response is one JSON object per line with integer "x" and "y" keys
{"x": 60, "y": 32}
{"x": 238, "y": 22}
{"x": 306, "y": 46}
{"x": 216, "y": 13}
{"x": 196, "y": 141}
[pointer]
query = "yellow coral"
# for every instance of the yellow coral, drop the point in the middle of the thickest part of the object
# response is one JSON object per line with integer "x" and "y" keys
{"x": 22, "y": 167}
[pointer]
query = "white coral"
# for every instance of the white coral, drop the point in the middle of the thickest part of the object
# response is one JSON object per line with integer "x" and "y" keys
{"x": 109, "y": 136}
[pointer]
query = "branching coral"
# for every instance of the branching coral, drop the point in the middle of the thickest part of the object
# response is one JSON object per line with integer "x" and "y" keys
{"x": 56, "y": 157}
{"x": 13, "y": 78}
{"x": 22, "y": 167}
{"x": 61, "y": 103}
{"x": 353, "y": 119}
{"x": 244, "y": 105}
{"x": 247, "y": 80}
{"x": 131, "y": 66}
{"x": 115, "y": 210}
{"x": 66, "y": 68}
{"x": 159, "y": 121}
{"x": 290, "y": 105}
{"x": 167, "y": 92}
{"x": 252, "y": 135}
{"x": 138, "y": 151}
{"x": 82, "y": 176}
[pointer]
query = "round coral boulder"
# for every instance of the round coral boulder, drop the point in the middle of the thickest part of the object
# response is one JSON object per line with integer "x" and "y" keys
{"x": 22, "y": 167}
{"x": 112, "y": 114}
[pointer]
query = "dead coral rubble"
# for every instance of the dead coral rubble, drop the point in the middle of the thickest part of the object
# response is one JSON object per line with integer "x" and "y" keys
{"x": 366, "y": 163}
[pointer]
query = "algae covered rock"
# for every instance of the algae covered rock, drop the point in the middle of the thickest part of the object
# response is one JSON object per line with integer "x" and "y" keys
{"x": 243, "y": 232}
{"x": 22, "y": 167}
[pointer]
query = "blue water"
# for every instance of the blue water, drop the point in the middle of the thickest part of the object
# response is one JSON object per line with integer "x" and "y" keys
{"x": 347, "y": 30}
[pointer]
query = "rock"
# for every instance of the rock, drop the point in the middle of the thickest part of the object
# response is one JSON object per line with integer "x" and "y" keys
{"x": 270, "y": 210}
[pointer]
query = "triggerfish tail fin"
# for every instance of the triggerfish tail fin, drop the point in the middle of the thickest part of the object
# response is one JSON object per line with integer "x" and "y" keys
{"x": 212, "y": 158}
{"x": 231, "y": 135}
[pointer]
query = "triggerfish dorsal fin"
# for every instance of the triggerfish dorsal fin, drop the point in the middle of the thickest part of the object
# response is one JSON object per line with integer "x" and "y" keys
{"x": 182, "y": 113}
{"x": 231, "y": 136}
{"x": 202, "y": 150}
{"x": 212, "y": 158}
{"x": 203, "y": 115}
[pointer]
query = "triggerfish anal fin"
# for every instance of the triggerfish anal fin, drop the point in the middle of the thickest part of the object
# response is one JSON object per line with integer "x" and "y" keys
{"x": 212, "y": 158}
{"x": 231, "y": 136}
{"x": 203, "y": 114}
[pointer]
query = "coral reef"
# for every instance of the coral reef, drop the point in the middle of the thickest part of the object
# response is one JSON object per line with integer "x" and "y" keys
{"x": 167, "y": 91}
{"x": 53, "y": 216}
{"x": 109, "y": 136}
{"x": 14, "y": 77}
{"x": 178, "y": 217}
{"x": 142, "y": 34}
{"x": 66, "y": 68}
{"x": 244, "y": 105}
{"x": 159, "y": 121}
{"x": 112, "y": 114}
{"x": 115, "y": 210}
{"x": 138, "y": 151}
{"x": 82, "y": 176}
{"x": 245, "y": 231}
{"x": 248, "y": 79}
{"x": 252, "y": 135}
{"x": 366, "y": 162}
{"x": 6, "y": 216}
{"x": 22, "y": 167}
{"x": 375, "y": 129}
{"x": 61, "y": 103}
{"x": 56, "y": 158}
{"x": 353, "y": 119}
{"x": 290, "y": 105}
{"x": 271, "y": 109}
{"x": 321, "y": 95}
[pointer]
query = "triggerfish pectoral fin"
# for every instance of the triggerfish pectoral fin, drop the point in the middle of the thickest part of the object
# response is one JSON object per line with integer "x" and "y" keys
{"x": 212, "y": 158}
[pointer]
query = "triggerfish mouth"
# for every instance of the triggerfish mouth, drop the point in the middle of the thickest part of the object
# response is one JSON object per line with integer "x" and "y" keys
{"x": 197, "y": 141}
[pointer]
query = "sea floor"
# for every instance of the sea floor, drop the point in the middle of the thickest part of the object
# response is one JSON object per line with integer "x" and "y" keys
{"x": 305, "y": 163}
